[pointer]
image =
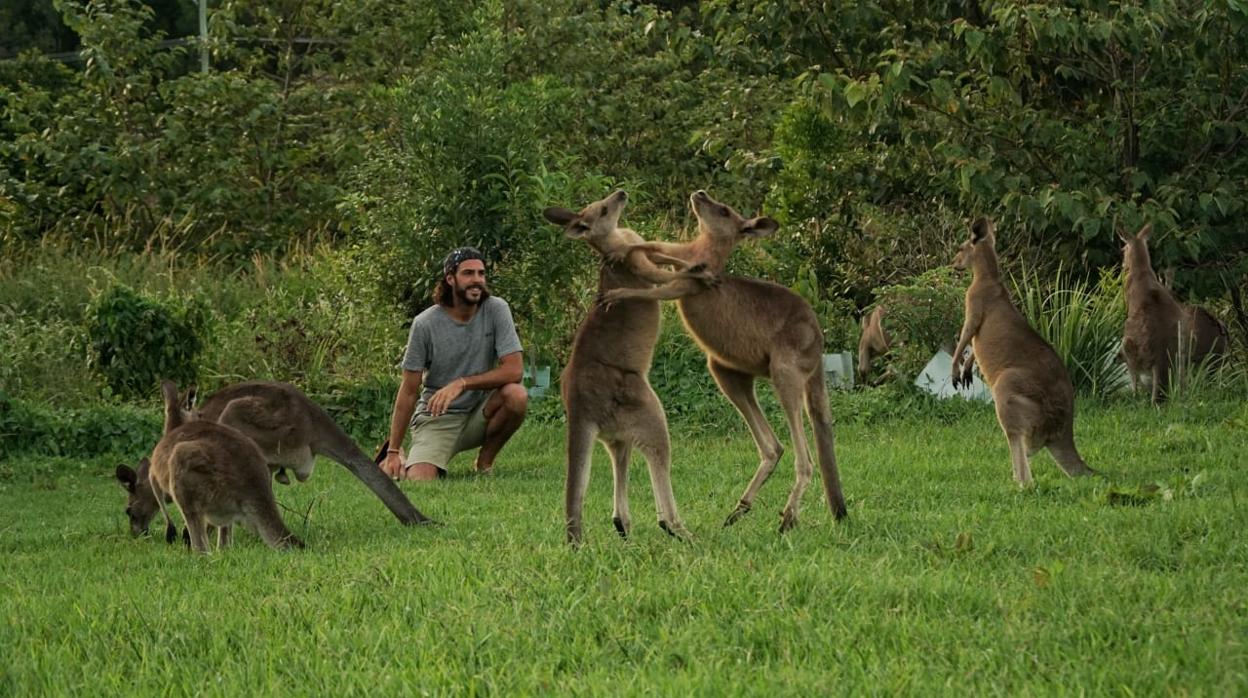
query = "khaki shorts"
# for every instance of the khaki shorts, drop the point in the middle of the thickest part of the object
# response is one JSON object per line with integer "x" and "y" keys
{"x": 436, "y": 439}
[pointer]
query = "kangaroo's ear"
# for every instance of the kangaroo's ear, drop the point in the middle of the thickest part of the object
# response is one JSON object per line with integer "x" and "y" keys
{"x": 760, "y": 227}
{"x": 558, "y": 215}
{"x": 169, "y": 391}
{"x": 127, "y": 477}
{"x": 188, "y": 402}
{"x": 1124, "y": 235}
{"x": 982, "y": 228}
{"x": 1145, "y": 232}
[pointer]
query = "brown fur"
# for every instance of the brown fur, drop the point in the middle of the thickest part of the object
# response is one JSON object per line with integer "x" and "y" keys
{"x": 216, "y": 476}
{"x": 748, "y": 329}
{"x": 873, "y": 343}
{"x": 291, "y": 430}
{"x": 1156, "y": 321}
{"x": 1031, "y": 389}
{"x": 605, "y": 387}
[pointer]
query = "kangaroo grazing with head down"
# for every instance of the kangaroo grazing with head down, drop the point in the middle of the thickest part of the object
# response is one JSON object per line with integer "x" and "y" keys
{"x": 605, "y": 386}
{"x": 217, "y": 476}
{"x": 1156, "y": 323}
{"x": 1031, "y": 389}
{"x": 290, "y": 430}
{"x": 748, "y": 329}
{"x": 873, "y": 342}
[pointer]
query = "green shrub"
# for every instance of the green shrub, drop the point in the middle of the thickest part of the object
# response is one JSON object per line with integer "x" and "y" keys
{"x": 922, "y": 316}
{"x": 45, "y": 359}
{"x": 136, "y": 341}
{"x": 120, "y": 430}
{"x": 1083, "y": 322}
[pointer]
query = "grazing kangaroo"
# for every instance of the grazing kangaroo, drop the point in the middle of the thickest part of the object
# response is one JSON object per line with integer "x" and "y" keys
{"x": 748, "y": 329}
{"x": 1156, "y": 323}
{"x": 217, "y": 476}
{"x": 1031, "y": 389}
{"x": 874, "y": 342}
{"x": 291, "y": 430}
{"x": 141, "y": 506}
{"x": 605, "y": 386}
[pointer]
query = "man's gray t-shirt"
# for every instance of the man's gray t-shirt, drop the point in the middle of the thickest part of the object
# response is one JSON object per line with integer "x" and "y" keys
{"x": 447, "y": 350}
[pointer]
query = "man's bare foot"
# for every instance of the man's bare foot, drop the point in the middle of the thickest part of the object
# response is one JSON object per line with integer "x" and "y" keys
{"x": 421, "y": 472}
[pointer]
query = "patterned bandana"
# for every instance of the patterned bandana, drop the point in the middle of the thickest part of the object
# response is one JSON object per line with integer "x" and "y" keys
{"x": 457, "y": 256}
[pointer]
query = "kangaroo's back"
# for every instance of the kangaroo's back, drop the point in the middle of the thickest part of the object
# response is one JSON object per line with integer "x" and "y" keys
{"x": 217, "y": 476}
{"x": 741, "y": 322}
{"x": 290, "y": 428}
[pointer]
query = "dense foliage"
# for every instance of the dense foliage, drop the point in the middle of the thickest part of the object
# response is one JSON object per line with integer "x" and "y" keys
{"x": 382, "y": 135}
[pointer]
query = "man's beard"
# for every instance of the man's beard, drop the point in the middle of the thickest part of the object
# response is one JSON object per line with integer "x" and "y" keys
{"x": 461, "y": 295}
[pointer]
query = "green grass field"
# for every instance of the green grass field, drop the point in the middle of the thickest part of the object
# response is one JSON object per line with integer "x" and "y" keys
{"x": 945, "y": 579}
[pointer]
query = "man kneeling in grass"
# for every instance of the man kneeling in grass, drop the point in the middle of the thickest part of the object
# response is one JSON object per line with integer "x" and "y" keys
{"x": 463, "y": 362}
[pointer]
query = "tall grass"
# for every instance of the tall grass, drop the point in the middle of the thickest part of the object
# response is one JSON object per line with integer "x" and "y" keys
{"x": 303, "y": 318}
{"x": 1083, "y": 321}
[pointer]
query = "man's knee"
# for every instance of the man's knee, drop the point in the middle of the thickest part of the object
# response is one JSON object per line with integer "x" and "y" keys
{"x": 515, "y": 398}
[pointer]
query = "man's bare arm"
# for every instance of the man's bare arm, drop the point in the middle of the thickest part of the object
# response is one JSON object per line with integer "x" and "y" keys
{"x": 404, "y": 405}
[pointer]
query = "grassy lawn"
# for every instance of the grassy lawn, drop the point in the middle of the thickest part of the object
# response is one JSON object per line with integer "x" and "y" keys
{"x": 945, "y": 579}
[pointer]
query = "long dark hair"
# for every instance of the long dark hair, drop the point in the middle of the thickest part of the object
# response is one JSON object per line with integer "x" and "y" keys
{"x": 443, "y": 291}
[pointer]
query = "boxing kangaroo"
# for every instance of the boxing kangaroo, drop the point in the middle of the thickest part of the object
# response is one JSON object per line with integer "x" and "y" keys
{"x": 748, "y": 329}
{"x": 1031, "y": 389}
{"x": 605, "y": 387}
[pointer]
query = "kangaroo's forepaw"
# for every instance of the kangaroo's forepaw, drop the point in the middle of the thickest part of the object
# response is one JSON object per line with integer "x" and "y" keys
{"x": 282, "y": 477}
{"x": 621, "y": 526}
{"x": 788, "y": 520}
{"x": 741, "y": 510}
{"x": 171, "y": 533}
{"x": 574, "y": 536}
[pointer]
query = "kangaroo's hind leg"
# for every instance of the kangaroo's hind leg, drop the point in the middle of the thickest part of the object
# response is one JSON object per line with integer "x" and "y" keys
{"x": 738, "y": 387}
{"x": 580, "y": 446}
{"x": 619, "y": 450}
{"x": 791, "y": 388}
{"x": 1018, "y": 416}
{"x": 652, "y": 439}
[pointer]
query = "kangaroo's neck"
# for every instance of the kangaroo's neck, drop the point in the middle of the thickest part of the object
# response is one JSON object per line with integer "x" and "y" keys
{"x": 711, "y": 251}
{"x": 173, "y": 417}
{"x": 984, "y": 266}
{"x": 1141, "y": 280}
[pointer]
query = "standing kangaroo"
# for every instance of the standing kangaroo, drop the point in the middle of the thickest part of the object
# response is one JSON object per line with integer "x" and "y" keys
{"x": 605, "y": 386}
{"x": 1156, "y": 323}
{"x": 1034, "y": 399}
{"x": 217, "y": 476}
{"x": 748, "y": 329}
{"x": 874, "y": 342}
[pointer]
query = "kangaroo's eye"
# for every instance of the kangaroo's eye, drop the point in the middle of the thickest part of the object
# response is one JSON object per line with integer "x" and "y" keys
{"x": 723, "y": 210}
